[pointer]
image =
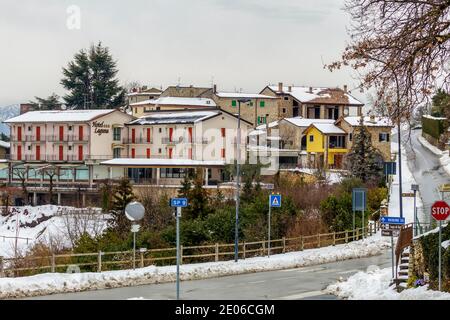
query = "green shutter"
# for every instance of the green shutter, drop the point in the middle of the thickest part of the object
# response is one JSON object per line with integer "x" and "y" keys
{"x": 261, "y": 104}
{"x": 233, "y": 103}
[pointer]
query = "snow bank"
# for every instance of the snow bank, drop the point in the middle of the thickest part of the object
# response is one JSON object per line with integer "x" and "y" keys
{"x": 444, "y": 155}
{"x": 374, "y": 285}
{"x": 50, "y": 283}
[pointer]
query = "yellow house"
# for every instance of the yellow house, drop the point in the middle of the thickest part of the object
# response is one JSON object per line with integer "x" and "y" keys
{"x": 325, "y": 141}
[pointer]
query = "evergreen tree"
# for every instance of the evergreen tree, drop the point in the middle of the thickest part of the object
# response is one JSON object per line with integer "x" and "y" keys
{"x": 90, "y": 79}
{"x": 362, "y": 160}
{"x": 50, "y": 103}
{"x": 186, "y": 186}
{"x": 441, "y": 104}
{"x": 4, "y": 137}
{"x": 122, "y": 196}
{"x": 198, "y": 198}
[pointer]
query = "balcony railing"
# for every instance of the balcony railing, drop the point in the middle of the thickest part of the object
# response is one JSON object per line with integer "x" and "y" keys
{"x": 139, "y": 140}
{"x": 66, "y": 138}
{"x": 167, "y": 140}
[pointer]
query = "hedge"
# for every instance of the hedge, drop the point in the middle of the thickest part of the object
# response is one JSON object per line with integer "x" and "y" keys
{"x": 433, "y": 127}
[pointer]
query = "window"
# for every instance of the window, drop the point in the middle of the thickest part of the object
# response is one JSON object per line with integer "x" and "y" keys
{"x": 233, "y": 103}
{"x": 70, "y": 128}
{"x": 70, "y": 148}
{"x": 159, "y": 150}
{"x": 159, "y": 130}
{"x": 311, "y": 138}
{"x": 262, "y": 104}
{"x": 286, "y": 98}
{"x": 383, "y": 137}
{"x": 284, "y": 110}
{"x": 29, "y": 147}
{"x": 116, "y": 134}
{"x": 173, "y": 173}
{"x": 29, "y": 128}
{"x": 116, "y": 153}
{"x": 261, "y": 120}
{"x": 350, "y": 137}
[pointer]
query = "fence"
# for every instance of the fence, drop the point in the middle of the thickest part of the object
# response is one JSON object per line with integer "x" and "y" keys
{"x": 103, "y": 261}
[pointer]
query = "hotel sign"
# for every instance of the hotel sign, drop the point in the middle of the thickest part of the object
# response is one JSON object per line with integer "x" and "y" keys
{"x": 100, "y": 127}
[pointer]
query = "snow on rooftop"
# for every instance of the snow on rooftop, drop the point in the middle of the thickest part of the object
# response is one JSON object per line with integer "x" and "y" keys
{"x": 179, "y": 101}
{"x": 4, "y": 144}
{"x": 175, "y": 117}
{"x": 318, "y": 94}
{"x": 155, "y": 162}
{"x": 433, "y": 118}
{"x": 60, "y": 116}
{"x": 243, "y": 95}
{"x": 302, "y": 122}
{"x": 264, "y": 126}
{"x": 377, "y": 121}
{"x": 328, "y": 128}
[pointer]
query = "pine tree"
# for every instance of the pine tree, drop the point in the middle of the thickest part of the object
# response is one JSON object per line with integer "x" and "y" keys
{"x": 186, "y": 186}
{"x": 198, "y": 198}
{"x": 362, "y": 160}
{"x": 90, "y": 79}
{"x": 122, "y": 196}
{"x": 50, "y": 103}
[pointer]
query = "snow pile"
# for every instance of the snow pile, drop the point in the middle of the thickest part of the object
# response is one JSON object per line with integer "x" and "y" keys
{"x": 444, "y": 155}
{"x": 44, "y": 223}
{"x": 375, "y": 285}
{"x": 49, "y": 283}
{"x": 407, "y": 180}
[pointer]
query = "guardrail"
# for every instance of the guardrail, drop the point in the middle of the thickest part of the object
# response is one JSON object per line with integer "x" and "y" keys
{"x": 103, "y": 261}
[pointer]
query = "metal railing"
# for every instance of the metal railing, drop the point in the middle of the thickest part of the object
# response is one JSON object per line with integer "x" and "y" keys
{"x": 100, "y": 261}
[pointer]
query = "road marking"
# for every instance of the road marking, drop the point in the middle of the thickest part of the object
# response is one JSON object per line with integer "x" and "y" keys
{"x": 302, "y": 295}
{"x": 286, "y": 278}
{"x": 260, "y": 281}
{"x": 311, "y": 270}
{"x": 303, "y": 269}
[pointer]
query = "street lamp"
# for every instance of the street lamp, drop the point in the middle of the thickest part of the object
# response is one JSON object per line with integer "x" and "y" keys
{"x": 238, "y": 153}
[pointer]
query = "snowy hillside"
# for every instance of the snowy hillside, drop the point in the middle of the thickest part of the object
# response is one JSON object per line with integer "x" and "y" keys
{"x": 48, "y": 224}
{"x": 7, "y": 112}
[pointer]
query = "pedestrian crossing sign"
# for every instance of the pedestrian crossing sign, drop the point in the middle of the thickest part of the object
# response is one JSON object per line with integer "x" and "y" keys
{"x": 275, "y": 200}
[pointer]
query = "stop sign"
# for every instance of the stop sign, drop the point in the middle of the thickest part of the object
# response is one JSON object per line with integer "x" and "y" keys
{"x": 440, "y": 210}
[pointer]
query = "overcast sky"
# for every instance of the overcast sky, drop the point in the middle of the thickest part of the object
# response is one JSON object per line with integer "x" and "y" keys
{"x": 237, "y": 44}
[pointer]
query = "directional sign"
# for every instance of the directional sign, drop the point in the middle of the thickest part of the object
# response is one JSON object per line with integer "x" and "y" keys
{"x": 392, "y": 220}
{"x": 178, "y": 202}
{"x": 359, "y": 199}
{"x": 390, "y": 168}
{"x": 275, "y": 200}
{"x": 408, "y": 194}
{"x": 444, "y": 187}
{"x": 440, "y": 210}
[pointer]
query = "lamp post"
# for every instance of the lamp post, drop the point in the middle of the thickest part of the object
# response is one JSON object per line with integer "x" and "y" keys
{"x": 238, "y": 155}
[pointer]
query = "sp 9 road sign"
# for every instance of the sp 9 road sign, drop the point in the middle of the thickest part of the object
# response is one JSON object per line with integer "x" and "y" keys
{"x": 440, "y": 210}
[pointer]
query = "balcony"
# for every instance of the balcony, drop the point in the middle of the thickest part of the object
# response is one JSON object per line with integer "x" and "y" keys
{"x": 336, "y": 142}
{"x": 67, "y": 138}
{"x": 173, "y": 141}
{"x": 137, "y": 140}
{"x": 33, "y": 157}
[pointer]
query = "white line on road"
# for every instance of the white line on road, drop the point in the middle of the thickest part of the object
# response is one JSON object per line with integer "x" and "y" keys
{"x": 302, "y": 295}
{"x": 311, "y": 270}
{"x": 286, "y": 278}
{"x": 254, "y": 282}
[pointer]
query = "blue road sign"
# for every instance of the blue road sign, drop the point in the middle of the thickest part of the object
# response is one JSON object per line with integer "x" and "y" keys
{"x": 390, "y": 167}
{"x": 178, "y": 202}
{"x": 275, "y": 200}
{"x": 359, "y": 199}
{"x": 392, "y": 220}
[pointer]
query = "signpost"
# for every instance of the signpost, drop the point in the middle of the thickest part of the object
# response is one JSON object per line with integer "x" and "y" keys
{"x": 134, "y": 211}
{"x": 178, "y": 203}
{"x": 359, "y": 203}
{"x": 415, "y": 188}
{"x": 440, "y": 211}
{"x": 274, "y": 201}
{"x": 390, "y": 226}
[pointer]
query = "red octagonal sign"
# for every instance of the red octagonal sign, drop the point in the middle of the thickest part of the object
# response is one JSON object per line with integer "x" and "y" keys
{"x": 440, "y": 210}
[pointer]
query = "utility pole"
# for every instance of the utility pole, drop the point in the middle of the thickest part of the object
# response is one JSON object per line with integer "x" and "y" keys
{"x": 400, "y": 166}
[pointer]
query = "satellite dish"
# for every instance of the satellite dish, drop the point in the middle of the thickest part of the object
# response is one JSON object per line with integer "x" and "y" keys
{"x": 134, "y": 211}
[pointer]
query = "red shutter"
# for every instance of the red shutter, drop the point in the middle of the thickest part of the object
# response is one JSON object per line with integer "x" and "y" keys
{"x": 61, "y": 152}
{"x": 148, "y": 152}
{"x": 148, "y": 135}
{"x": 19, "y": 133}
{"x": 133, "y": 136}
{"x": 133, "y": 152}
{"x": 80, "y": 152}
{"x": 190, "y": 153}
{"x": 38, "y": 152}
{"x": 190, "y": 134}
{"x": 170, "y": 153}
{"x": 19, "y": 150}
{"x": 38, "y": 133}
{"x": 223, "y": 132}
{"x": 80, "y": 133}
{"x": 223, "y": 152}
{"x": 61, "y": 133}
{"x": 170, "y": 134}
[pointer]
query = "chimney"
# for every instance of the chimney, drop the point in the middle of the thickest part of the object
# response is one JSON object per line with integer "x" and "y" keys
{"x": 215, "y": 88}
{"x": 345, "y": 88}
{"x": 310, "y": 90}
{"x": 290, "y": 89}
{"x": 280, "y": 86}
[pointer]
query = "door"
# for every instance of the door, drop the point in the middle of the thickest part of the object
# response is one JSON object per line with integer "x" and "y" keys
{"x": 61, "y": 133}
{"x": 170, "y": 134}
{"x": 190, "y": 134}
{"x": 38, "y": 133}
{"x": 338, "y": 161}
{"x": 19, "y": 151}
{"x": 80, "y": 133}
{"x": 170, "y": 153}
{"x": 38, "y": 153}
{"x": 19, "y": 133}
{"x": 80, "y": 152}
{"x": 148, "y": 135}
{"x": 133, "y": 152}
{"x": 133, "y": 135}
{"x": 61, "y": 153}
{"x": 148, "y": 152}
{"x": 190, "y": 153}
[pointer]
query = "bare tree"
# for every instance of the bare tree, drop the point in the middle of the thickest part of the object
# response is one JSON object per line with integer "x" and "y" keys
{"x": 80, "y": 221}
{"x": 22, "y": 174}
{"x": 52, "y": 172}
{"x": 400, "y": 48}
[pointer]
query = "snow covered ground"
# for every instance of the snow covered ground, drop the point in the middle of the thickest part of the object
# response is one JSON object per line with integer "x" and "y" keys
{"x": 407, "y": 180}
{"x": 374, "y": 285}
{"x": 44, "y": 224}
{"x": 444, "y": 155}
{"x": 48, "y": 283}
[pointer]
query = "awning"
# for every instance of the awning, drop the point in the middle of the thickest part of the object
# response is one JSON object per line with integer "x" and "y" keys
{"x": 162, "y": 163}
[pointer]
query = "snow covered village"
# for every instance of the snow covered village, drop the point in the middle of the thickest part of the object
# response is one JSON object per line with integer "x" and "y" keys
{"x": 266, "y": 157}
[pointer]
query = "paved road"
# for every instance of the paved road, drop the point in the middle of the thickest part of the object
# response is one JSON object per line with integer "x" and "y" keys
{"x": 426, "y": 169}
{"x": 292, "y": 284}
